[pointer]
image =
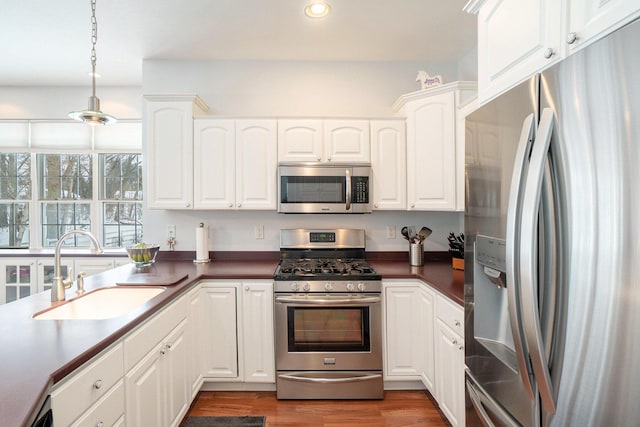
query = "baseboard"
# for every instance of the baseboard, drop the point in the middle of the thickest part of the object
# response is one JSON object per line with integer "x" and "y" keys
{"x": 404, "y": 385}
{"x": 218, "y": 386}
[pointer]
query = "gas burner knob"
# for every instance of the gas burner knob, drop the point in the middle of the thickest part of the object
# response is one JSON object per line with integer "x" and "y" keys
{"x": 328, "y": 286}
{"x": 362, "y": 287}
{"x": 295, "y": 287}
{"x": 306, "y": 287}
{"x": 350, "y": 287}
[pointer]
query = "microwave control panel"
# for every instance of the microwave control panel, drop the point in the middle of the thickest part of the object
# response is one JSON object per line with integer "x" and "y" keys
{"x": 360, "y": 189}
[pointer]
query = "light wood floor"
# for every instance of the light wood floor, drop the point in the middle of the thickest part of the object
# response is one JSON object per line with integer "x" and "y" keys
{"x": 398, "y": 409}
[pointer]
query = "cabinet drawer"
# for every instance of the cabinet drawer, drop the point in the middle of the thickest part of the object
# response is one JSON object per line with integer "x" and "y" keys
{"x": 85, "y": 387}
{"x": 144, "y": 338}
{"x": 450, "y": 314}
{"x": 108, "y": 411}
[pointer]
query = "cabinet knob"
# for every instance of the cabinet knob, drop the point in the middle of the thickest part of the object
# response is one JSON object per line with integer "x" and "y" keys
{"x": 454, "y": 341}
{"x": 460, "y": 347}
{"x": 230, "y": 205}
{"x": 572, "y": 37}
{"x": 328, "y": 159}
{"x": 319, "y": 158}
{"x": 456, "y": 322}
{"x": 413, "y": 206}
{"x": 375, "y": 205}
{"x": 97, "y": 384}
{"x": 548, "y": 53}
{"x": 246, "y": 288}
{"x": 163, "y": 351}
{"x": 188, "y": 204}
{"x": 168, "y": 346}
{"x": 239, "y": 205}
{"x": 100, "y": 424}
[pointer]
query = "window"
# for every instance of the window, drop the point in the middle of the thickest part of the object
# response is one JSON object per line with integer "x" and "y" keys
{"x": 58, "y": 175}
{"x": 15, "y": 193}
{"x": 121, "y": 196}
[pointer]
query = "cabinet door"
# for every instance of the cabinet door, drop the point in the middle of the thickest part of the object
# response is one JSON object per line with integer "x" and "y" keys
{"x": 257, "y": 332}
{"x": 195, "y": 363}
{"x": 389, "y": 164}
{"x": 214, "y": 164}
{"x": 347, "y": 141}
{"x": 590, "y": 20}
{"x": 169, "y": 155}
{"x": 407, "y": 335}
{"x": 219, "y": 329}
{"x": 516, "y": 38}
{"x": 300, "y": 140}
{"x": 176, "y": 386}
{"x": 144, "y": 390}
{"x": 17, "y": 279}
{"x": 256, "y": 164}
{"x": 431, "y": 153}
{"x": 450, "y": 373}
{"x": 426, "y": 300}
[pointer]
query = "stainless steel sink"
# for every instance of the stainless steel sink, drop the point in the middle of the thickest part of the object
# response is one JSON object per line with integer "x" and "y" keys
{"x": 104, "y": 303}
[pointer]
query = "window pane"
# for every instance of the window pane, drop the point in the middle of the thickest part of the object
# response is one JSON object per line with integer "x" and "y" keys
{"x": 121, "y": 176}
{"x": 14, "y": 225}
{"x": 65, "y": 176}
{"x": 122, "y": 224}
{"x": 58, "y": 218}
{"x": 15, "y": 176}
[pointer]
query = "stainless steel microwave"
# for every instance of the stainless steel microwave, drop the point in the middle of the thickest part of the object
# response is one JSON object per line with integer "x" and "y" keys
{"x": 324, "y": 188}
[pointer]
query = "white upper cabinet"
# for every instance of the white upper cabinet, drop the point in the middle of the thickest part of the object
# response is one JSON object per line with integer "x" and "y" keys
{"x": 168, "y": 133}
{"x": 432, "y": 146}
{"x": 300, "y": 140}
{"x": 517, "y": 38}
{"x": 214, "y": 163}
{"x": 256, "y": 164}
{"x": 347, "y": 141}
{"x": 590, "y": 20}
{"x": 316, "y": 140}
{"x": 389, "y": 164}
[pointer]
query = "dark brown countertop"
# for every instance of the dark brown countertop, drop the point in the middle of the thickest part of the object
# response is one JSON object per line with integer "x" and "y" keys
{"x": 38, "y": 353}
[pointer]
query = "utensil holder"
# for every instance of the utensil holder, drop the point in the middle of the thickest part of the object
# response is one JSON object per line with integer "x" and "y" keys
{"x": 416, "y": 254}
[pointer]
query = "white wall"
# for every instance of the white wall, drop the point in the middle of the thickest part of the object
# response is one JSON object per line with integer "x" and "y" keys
{"x": 278, "y": 89}
{"x": 55, "y": 102}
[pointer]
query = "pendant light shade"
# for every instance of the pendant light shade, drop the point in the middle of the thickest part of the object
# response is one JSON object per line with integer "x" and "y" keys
{"x": 92, "y": 115}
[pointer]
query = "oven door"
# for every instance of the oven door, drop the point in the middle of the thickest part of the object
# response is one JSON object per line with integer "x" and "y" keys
{"x": 324, "y": 189}
{"x": 328, "y": 332}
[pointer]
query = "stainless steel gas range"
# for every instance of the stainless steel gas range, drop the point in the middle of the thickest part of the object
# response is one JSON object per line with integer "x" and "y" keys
{"x": 328, "y": 317}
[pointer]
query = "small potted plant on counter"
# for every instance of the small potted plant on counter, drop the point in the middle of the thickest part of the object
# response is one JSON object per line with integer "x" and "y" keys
{"x": 456, "y": 249}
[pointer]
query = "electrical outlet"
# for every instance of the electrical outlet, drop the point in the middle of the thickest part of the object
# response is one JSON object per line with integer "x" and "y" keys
{"x": 391, "y": 231}
{"x": 258, "y": 231}
{"x": 171, "y": 231}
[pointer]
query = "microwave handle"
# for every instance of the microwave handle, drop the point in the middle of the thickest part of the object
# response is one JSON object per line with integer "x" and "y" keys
{"x": 348, "y": 184}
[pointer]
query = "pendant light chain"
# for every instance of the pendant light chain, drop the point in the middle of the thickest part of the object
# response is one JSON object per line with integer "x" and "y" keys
{"x": 94, "y": 40}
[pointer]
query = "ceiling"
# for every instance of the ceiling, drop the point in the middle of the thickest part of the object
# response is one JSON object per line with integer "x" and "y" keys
{"x": 44, "y": 42}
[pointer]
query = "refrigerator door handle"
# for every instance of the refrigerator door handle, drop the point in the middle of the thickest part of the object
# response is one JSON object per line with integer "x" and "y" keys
{"x": 481, "y": 400}
{"x": 528, "y": 261}
{"x": 514, "y": 209}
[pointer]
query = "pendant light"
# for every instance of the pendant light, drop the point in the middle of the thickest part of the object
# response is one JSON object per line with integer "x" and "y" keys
{"x": 93, "y": 115}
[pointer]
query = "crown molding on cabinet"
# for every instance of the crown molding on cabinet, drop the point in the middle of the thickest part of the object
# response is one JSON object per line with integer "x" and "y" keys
{"x": 473, "y": 6}
{"x": 180, "y": 98}
{"x": 419, "y": 94}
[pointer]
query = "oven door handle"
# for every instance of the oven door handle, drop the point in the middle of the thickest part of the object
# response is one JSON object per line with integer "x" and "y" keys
{"x": 330, "y": 380}
{"x": 325, "y": 301}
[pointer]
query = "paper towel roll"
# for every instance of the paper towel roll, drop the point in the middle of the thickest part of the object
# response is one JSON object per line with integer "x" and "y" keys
{"x": 202, "y": 244}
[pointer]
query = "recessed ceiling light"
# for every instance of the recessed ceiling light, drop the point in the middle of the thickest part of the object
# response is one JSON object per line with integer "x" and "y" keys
{"x": 317, "y": 9}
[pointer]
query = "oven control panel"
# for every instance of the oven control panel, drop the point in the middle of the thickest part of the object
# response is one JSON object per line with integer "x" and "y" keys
{"x": 322, "y": 237}
{"x": 319, "y": 286}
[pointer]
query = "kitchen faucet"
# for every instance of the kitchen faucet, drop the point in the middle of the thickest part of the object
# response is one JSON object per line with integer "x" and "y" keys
{"x": 59, "y": 284}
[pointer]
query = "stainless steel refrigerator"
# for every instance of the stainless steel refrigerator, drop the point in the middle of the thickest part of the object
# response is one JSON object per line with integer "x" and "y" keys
{"x": 552, "y": 225}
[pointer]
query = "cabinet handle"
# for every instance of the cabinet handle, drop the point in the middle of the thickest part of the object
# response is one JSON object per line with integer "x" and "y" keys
{"x": 572, "y": 37}
{"x": 97, "y": 384}
{"x": 548, "y": 53}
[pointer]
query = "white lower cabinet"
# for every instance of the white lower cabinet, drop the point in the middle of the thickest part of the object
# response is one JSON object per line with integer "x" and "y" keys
{"x": 424, "y": 341}
{"x": 156, "y": 379}
{"x": 92, "y": 394}
{"x": 195, "y": 365}
{"x": 237, "y": 331}
{"x": 449, "y": 345}
{"x": 409, "y": 331}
